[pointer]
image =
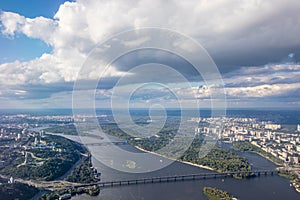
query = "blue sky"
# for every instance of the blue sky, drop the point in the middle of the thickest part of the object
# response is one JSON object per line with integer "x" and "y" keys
{"x": 255, "y": 45}
{"x": 32, "y": 8}
{"x": 21, "y": 47}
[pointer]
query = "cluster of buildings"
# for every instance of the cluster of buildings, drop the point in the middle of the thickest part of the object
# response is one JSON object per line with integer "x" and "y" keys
{"x": 17, "y": 135}
{"x": 41, "y": 143}
{"x": 17, "y": 142}
{"x": 51, "y": 118}
{"x": 268, "y": 136}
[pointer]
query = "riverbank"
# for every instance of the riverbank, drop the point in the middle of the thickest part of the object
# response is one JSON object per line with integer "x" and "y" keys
{"x": 185, "y": 162}
{"x": 45, "y": 193}
{"x": 290, "y": 174}
{"x": 249, "y": 147}
{"x": 81, "y": 172}
{"x": 266, "y": 157}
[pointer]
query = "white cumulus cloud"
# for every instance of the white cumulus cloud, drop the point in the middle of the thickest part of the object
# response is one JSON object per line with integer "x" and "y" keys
{"x": 230, "y": 30}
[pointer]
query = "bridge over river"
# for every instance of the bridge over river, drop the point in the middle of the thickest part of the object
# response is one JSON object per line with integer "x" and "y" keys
{"x": 54, "y": 185}
{"x": 121, "y": 142}
{"x": 107, "y": 143}
{"x": 187, "y": 177}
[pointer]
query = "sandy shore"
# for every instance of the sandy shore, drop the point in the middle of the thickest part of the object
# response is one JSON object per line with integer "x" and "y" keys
{"x": 188, "y": 163}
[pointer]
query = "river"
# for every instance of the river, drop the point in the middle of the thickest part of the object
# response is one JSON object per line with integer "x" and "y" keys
{"x": 263, "y": 187}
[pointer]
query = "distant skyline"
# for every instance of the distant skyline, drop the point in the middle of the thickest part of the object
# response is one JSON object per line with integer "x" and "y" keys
{"x": 255, "y": 45}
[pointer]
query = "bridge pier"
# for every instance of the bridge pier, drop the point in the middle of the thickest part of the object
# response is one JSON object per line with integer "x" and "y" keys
{"x": 175, "y": 178}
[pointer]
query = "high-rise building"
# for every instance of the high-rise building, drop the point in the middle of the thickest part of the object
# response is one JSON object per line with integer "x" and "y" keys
{"x": 273, "y": 126}
{"x": 42, "y": 133}
{"x": 26, "y": 157}
{"x": 298, "y": 127}
{"x": 269, "y": 135}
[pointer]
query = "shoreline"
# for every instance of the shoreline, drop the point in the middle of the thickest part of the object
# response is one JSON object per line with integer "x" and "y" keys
{"x": 184, "y": 162}
{"x": 278, "y": 165}
{"x": 266, "y": 157}
{"x": 153, "y": 153}
{"x": 82, "y": 159}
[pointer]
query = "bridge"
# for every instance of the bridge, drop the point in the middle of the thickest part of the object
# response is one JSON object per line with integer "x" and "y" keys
{"x": 124, "y": 142}
{"x": 53, "y": 185}
{"x": 175, "y": 178}
{"x": 107, "y": 143}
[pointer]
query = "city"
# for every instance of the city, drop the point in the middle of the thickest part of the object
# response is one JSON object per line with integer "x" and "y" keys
{"x": 26, "y": 138}
{"x": 149, "y": 99}
{"x": 283, "y": 147}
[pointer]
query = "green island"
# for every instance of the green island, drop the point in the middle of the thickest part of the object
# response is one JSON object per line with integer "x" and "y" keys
{"x": 219, "y": 159}
{"x": 17, "y": 191}
{"x": 245, "y": 146}
{"x": 217, "y": 194}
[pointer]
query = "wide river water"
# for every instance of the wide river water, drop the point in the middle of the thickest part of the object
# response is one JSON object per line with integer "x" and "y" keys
{"x": 263, "y": 187}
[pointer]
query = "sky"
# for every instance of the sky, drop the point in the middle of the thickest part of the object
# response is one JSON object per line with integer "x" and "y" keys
{"x": 255, "y": 45}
